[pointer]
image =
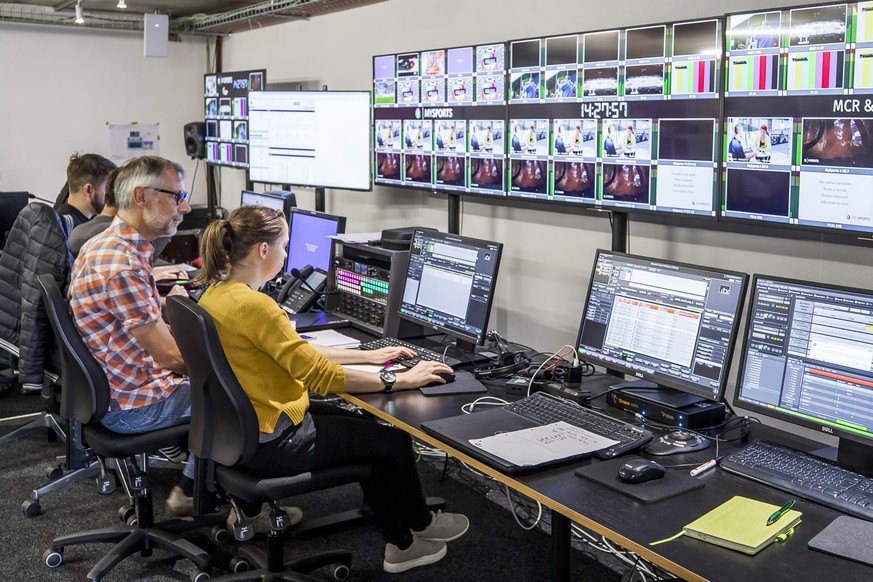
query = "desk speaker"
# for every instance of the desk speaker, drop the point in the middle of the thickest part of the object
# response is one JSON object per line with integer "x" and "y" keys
{"x": 195, "y": 139}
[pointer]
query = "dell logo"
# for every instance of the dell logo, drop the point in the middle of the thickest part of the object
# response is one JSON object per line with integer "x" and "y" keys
{"x": 639, "y": 374}
{"x": 827, "y": 429}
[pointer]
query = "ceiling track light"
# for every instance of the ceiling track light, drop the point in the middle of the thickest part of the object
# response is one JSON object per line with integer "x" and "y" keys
{"x": 79, "y": 18}
{"x": 121, "y": 4}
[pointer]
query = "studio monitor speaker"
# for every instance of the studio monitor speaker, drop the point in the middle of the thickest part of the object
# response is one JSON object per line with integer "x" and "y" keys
{"x": 195, "y": 139}
{"x": 156, "y": 33}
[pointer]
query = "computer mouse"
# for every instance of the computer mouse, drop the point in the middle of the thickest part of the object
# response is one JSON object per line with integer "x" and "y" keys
{"x": 640, "y": 470}
{"x": 447, "y": 376}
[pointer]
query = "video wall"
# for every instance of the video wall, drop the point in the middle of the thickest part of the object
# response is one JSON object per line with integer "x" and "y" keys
{"x": 621, "y": 118}
{"x": 762, "y": 116}
{"x": 798, "y": 125}
{"x": 226, "y": 109}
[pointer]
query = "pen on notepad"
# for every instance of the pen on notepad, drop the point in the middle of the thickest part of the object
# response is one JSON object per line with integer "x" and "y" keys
{"x": 780, "y": 512}
{"x": 305, "y": 337}
{"x": 704, "y": 467}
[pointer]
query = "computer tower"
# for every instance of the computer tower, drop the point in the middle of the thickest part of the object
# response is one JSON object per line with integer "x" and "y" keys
{"x": 365, "y": 284}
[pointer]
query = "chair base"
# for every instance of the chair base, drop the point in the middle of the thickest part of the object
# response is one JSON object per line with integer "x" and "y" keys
{"x": 270, "y": 566}
{"x": 36, "y": 420}
{"x": 32, "y": 507}
{"x": 129, "y": 540}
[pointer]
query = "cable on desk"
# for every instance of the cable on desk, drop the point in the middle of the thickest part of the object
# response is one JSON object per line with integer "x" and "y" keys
{"x": 546, "y": 361}
{"x": 483, "y": 401}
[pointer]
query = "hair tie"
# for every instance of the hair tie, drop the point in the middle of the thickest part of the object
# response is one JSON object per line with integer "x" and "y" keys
{"x": 228, "y": 228}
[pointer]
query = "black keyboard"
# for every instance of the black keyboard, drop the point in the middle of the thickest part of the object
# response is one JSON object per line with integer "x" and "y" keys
{"x": 804, "y": 475}
{"x": 421, "y": 353}
{"x": 546, "y": 409}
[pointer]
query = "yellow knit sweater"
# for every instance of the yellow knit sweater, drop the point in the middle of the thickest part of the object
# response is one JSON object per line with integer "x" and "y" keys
{"x": 272, "y": 362}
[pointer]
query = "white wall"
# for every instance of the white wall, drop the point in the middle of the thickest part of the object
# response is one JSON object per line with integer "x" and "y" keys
{"x": 548, "y": 255}
{"x": 63, "y": 85}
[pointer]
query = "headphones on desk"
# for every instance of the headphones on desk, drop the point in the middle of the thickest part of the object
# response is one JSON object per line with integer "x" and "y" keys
{"x": 508, "y": 363}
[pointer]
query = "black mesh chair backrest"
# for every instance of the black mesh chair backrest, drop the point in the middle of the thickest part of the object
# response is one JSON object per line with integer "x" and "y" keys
{"x": 85, "y": 396}
{"x": 224, "y": 426}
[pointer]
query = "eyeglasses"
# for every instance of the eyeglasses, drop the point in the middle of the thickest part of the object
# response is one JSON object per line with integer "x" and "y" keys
{"x": 180, "y": 196}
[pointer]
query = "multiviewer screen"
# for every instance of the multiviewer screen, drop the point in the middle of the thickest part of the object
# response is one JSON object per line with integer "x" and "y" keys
{"x": 259, "y": 199}
{"x": 808, "y": 354}
{"x": 310, "y": 239}
{"x": 450, "y": 283}
{"x": 669, "y": 323}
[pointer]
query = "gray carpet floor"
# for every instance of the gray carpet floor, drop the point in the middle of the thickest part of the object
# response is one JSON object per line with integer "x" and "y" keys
{"x": 495, "y": 548}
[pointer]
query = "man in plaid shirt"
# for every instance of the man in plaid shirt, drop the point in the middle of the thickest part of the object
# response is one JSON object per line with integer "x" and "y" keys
{"x": 117, "y": 309}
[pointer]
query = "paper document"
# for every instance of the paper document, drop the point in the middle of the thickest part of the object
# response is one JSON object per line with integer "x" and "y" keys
{"x": 330, "y": 338}
{"x": 541, "y": 444}
{"x": 358, "y": 237}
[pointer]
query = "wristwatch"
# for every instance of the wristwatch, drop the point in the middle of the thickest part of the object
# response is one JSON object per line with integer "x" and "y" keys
{"x": 388, "y": 379}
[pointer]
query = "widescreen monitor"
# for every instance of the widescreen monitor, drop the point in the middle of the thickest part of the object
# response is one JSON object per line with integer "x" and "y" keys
{"x": 11, "y": 204}
{"x": 450, "y": 284}
{"x": 280, "y": 200}
{"x": 797, "y": 146}
{"x": 669, "y": 323}
{"x": 319, "y": 139}
{"x": 808, "y": 359}
{"x": 310, "y": 238}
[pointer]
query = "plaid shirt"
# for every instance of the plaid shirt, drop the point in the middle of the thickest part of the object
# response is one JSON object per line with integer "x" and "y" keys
{"x": 112, "y": 291}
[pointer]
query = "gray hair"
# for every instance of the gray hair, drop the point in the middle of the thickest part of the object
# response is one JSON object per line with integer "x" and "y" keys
{"x": 144, "y": 171}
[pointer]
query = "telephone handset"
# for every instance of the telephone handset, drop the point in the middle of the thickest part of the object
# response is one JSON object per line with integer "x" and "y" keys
{"x": 302, "y": 292}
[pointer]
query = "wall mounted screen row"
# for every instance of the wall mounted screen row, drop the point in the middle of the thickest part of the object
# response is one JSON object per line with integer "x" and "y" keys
{"x": 764, "y": 116}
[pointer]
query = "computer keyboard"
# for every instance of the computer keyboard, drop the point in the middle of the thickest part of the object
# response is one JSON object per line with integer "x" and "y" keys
{"x": 804, "y": 475}
{"x": 546, "y": 408}
{"x": 421, "y": 353}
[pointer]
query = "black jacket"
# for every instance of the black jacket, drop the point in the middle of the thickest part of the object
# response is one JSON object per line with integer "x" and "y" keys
{"x": 36, "y": 244}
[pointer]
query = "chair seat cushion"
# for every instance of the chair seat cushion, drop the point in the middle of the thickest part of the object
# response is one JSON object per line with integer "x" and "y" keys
{"x": 244, "y": 485}
{"x": 112, "y": 444}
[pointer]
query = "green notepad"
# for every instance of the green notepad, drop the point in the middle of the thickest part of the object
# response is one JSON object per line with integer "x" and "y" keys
{"x": 741, "y": 524}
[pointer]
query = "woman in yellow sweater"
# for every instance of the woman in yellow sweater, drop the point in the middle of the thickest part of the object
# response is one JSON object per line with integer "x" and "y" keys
{"x": 278, "y": 369}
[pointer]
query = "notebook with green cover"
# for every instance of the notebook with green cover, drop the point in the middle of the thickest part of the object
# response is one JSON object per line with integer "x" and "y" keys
{"x": 741, "y": 524}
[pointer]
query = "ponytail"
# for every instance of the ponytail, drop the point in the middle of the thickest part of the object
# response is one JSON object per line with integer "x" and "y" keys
{"x": 224, "y": 242}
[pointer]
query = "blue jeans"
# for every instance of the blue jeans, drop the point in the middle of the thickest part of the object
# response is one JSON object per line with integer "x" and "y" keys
{"x": 171, "y": 411}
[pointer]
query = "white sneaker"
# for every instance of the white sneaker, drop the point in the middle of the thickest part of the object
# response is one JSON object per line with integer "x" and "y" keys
{"x": 421, "y": 553}
{"x": 444, "y": 527}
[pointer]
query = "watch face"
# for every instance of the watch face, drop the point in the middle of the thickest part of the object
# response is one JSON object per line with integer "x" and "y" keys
{"x": 388, "y": 377}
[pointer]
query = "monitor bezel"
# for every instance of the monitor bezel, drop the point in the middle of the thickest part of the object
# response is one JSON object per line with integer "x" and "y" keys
{"x": 825, "y": 427}
{"x": 662, "y": 380}
{"x": 480, "y": 243}
{"x": 370, "y": 150}
{"x": 289, "y": 201}
{"x": 340, "y": 228}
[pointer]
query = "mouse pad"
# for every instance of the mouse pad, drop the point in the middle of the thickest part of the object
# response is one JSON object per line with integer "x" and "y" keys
{"x": 673, "y": 483}
{"x": 465, "y": 383}
{"x": 841, "y": 538}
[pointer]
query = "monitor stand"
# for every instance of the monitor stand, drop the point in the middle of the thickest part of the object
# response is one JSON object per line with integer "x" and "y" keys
{"x": 850, "y": 454}
{"x": 460, "y": 349}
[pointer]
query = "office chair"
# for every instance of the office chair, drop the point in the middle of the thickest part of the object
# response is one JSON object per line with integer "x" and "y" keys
{"x": 85, "y": 399}
{"x": 224, "y": 433}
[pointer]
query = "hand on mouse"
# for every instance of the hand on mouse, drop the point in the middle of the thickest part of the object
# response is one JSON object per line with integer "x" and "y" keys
{"x": 422, "y": 373}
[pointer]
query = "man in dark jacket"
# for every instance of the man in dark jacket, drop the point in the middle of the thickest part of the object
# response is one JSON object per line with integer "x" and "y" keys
{"x": 86, "y": 179}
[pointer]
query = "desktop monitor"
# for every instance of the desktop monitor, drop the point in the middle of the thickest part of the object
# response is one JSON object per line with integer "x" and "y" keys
{"x": 449, "y": 285}
{"x": 808, "y": 359}
{"x": 668, "y": 323}
{"x": 11, "y": 204}
{"x": 310, "y": 238}
{"x": 281, "y": 200}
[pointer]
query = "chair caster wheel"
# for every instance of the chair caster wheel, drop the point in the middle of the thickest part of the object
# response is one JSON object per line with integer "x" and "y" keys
{"x": 200, "y": 577}
{"x": 339, "y": 571}
{"x": 55, "y": 473}
{"x": 127, "y": 515}
{"x": 220, "y": 535}
{"x": 31, "y": 508}
{"x": 238, "y": 565}
{"x": 53, "y": 558}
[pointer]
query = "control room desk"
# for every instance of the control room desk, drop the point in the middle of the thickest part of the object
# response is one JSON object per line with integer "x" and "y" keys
{"x": 634, "y": 525}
